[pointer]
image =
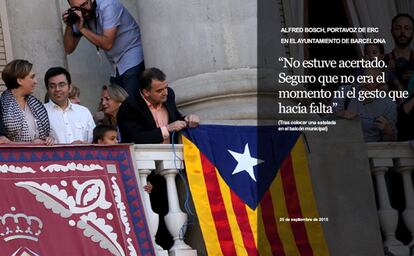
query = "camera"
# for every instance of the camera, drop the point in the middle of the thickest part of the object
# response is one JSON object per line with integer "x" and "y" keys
{"x": 72, "y": 17}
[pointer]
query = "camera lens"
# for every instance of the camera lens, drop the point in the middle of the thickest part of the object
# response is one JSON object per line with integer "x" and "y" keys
{"x": 72, "y": 17}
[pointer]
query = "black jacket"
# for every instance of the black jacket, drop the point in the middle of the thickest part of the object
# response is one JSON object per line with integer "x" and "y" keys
{"x": 136, "y": 123}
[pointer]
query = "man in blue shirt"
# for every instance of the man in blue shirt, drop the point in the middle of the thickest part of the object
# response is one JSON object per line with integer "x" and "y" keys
{"x": 109, "y": 26}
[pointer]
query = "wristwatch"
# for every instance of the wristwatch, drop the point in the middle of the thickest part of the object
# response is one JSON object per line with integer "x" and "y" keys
{"x": 76, "y": 32}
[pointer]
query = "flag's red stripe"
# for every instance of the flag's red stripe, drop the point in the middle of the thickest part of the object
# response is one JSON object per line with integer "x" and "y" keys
{"x": 217, "y": 207}
{"x": 269, "y": 221}
{"x": 240, "y": 211}
{"x": 293, "y": 207}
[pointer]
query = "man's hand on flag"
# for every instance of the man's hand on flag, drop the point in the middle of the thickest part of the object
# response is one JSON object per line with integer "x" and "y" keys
{"x": 176, "y": 126}
{"x": 192, "y": 120}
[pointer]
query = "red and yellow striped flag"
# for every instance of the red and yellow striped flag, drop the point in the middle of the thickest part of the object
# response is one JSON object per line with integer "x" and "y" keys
{"x": 252, "y": 191}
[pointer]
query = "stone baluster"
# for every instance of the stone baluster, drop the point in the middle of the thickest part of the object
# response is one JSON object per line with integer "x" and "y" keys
{"x": 388, "y": 217}
{"x": 405, "y": 168}
{"x": 144, "y": 169}
{"x": 176, "y": 219}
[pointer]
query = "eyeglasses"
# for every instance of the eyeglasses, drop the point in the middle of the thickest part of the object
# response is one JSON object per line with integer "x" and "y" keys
{"x": 82, "y": 6}
{"x": 55, "y": 86}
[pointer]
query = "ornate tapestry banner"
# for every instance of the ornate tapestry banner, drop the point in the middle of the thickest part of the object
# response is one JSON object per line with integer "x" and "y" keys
{"x": 72, "y": 200}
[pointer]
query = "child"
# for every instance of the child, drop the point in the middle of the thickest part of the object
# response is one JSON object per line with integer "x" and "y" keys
{"x": 105, "y": 134}
{"x": 108, "y": 135}
{"x": 74, "y": 94}
{"x": 372, "y": 51}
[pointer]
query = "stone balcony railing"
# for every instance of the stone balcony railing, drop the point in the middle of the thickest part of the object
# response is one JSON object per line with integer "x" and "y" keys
{"x": 387, "y": 160}
{"x": 395, "y": 158}
{"x": 164, "y": 160}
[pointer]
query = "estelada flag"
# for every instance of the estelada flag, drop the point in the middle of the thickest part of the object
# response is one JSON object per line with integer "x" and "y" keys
{"x": 252, "y": 191}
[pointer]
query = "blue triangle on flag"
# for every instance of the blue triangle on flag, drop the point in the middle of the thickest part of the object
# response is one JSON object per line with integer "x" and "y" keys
{"x": 234, "y": 150}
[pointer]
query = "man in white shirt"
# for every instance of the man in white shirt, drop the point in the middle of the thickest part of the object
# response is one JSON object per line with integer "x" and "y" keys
{"x": 69, "y": 123}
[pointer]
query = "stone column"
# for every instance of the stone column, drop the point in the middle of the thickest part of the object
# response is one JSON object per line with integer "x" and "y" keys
{"x": 145, "y": 167}
{"x": 388, "y": 216}
{"x": 405, "y": 168}
{"x": 36, "y": 35}
{"x": 176, "y": 219}
{"x": 208, "y": 50}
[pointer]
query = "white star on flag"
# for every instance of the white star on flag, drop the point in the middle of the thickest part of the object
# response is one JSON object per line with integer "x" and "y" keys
{"x": 245, "y": 162}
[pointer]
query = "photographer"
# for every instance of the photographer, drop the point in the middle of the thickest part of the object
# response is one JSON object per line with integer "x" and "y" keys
{"x": 109, "y": 26}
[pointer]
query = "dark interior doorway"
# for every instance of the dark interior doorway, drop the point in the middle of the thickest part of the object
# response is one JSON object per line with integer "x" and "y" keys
{"x": 328, "y": 13}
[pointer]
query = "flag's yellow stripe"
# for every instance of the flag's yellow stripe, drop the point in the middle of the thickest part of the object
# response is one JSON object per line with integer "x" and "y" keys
{"x": 307, "y": 200}
{"x": 283, "y": 227}
{"x": 199, "y": 191}
{"x": 252, "y": 215}
{"x": 234, "y": 226}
